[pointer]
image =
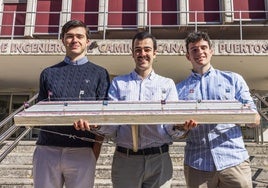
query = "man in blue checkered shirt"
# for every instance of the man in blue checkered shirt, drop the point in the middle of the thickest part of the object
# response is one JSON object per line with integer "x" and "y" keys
{"x": 215, "y": 154}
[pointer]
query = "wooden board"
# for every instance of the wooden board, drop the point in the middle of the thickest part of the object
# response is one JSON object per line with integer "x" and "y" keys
{"x": 59, "y": 113}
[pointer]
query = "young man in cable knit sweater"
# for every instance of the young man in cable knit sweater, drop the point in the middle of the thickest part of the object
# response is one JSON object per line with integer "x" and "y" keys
{"x": 58, "y": 159}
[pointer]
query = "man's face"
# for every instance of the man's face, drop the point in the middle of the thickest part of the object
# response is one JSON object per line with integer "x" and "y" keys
{"x": 75, "y": 42}
{"x": 199, "y": 54}
{"x": 143, "y": 54}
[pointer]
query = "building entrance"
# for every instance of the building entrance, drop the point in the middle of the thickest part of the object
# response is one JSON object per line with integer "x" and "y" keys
{"x": 8, "y": 104}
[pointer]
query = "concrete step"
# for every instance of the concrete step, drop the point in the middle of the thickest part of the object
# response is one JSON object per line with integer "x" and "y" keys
{"x": 260, "y": 176}
{"x": 259, "y": 160}
{"x": 104, "y": 172}
{"x": 103, "y": 183}
{"x": 99, "y": 183}
{"x": 16, "y": 168}
{"x": 176, "y": 147}
{"x": 16, "y": 182}
{"x": 16, "y": 171}
{"x": 18, "y": 159}
{"x": 28, "y": 146}
{"x": 106, "y": 159}
{"x": 257, "y": 149}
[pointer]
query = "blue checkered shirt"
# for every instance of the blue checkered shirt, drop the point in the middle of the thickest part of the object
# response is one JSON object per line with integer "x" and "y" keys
{"x": 215, "y": 146}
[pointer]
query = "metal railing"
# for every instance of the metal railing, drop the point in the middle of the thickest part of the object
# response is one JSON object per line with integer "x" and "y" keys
{"x": 128, "y": 20}
{"x": 262, "y": 106}
{"x": 12, "y": 129}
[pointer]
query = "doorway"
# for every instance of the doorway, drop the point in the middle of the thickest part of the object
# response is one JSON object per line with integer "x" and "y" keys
{"x": 9, "y": 102}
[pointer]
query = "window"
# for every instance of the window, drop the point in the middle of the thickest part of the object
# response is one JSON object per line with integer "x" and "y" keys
{"x": 122, "y": 14}
{"x": 47, "y": 16}
{"x": 162, "y": 12}
{"x": 198, "y": 10}
{"x": 13, "y": 13}
{"x": 249, "y": 6}
{"x": 86, "y": 11}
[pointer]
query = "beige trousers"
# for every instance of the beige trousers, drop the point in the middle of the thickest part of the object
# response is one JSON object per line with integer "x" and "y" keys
{"x": 233, "y": 177}
{"x": 54, "y": 167}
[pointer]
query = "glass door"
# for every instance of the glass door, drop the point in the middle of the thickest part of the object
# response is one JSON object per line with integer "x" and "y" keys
{"x": 17, "y": 100}
{"x": 4, "y": 110}
{"x": 4, "y": 106}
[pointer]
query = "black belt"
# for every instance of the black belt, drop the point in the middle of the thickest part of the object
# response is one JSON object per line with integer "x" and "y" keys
{"x": 146, "y": 151}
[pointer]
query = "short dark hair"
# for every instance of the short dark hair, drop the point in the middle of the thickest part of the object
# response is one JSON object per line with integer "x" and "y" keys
{"x": 72, "y": 24}
{"x": 144, "y": 35}
{"x": 196, "y": 36}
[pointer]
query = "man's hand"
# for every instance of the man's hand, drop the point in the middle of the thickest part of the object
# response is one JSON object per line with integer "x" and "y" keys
{"x": 84, "y": 125}
{"x": 185, "y": 128}
{"x": 257, "y": 122}
{"x": 188, "y": 125}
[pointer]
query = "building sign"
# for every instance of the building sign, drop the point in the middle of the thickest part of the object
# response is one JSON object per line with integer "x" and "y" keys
{"x": 242, "y": 48}
{"x": 123, "y": 47}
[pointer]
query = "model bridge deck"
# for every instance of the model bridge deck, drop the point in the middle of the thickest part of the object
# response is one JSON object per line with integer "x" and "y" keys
{"x": 59, "y": 113}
